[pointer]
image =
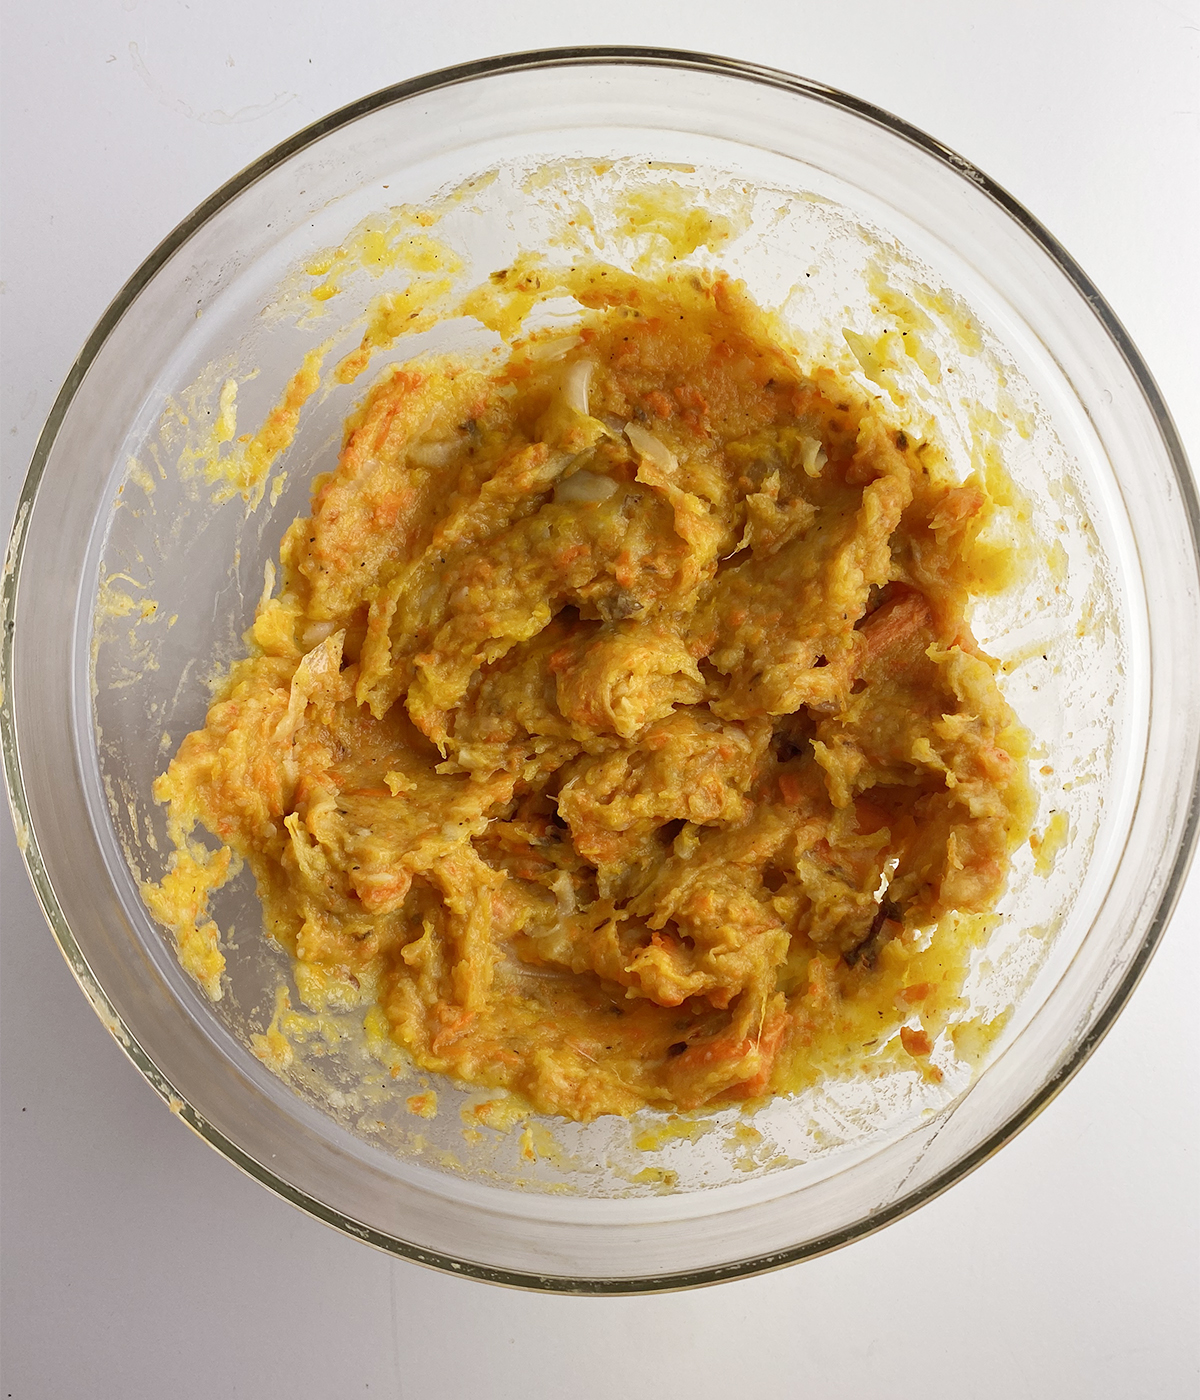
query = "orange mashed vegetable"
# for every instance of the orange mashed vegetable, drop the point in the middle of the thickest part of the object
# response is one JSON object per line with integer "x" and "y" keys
{"x": 618, "y": 728}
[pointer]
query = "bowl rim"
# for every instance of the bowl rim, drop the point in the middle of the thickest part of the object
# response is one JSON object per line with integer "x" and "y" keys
{"x": 600, "y": 56}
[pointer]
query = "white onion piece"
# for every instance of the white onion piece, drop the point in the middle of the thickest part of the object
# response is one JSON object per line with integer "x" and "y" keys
{"x": 584, "y": 488}
{"x": 432, "y": 454}
{"x": 268, "y": 584}
{"x": 545, "y": 351}
{"x": 315, "y": 633}
{"x": 319, "y": 665}
{"x": 575, "y": 385}
{"x": 645, "y": 444}
{"x": 814, "y": 457}
{"x": 564, "y": 893}
{"x": 885, "y": 878}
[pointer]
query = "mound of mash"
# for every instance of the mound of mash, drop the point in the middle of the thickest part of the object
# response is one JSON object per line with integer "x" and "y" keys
{"x": 617, "y": 732}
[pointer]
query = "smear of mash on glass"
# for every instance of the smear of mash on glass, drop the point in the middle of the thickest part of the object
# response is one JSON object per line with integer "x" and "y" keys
{"x": 617, "y": 729}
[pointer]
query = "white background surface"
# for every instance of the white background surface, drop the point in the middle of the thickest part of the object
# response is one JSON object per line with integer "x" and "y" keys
{"x": 137, "y": 1263}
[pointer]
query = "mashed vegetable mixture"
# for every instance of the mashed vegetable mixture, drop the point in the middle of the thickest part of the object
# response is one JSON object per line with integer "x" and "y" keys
{"x": 617, "y": 728}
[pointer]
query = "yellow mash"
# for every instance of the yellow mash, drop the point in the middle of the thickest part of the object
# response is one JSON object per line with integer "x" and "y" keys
{"x": 617, "y": 728}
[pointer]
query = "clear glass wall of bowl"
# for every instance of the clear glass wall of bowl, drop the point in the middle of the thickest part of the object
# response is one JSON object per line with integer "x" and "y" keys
{"x": 95, "y": 702}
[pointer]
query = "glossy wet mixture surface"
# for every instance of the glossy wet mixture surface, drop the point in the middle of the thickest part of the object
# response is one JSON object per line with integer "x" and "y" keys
{"x": 617, "y": 728}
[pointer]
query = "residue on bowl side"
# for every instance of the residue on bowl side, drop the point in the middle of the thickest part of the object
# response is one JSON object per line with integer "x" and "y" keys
{"x": 388, "y": 291}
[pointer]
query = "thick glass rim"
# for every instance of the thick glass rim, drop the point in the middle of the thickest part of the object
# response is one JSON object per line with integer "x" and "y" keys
{"x": 27, "y": 838}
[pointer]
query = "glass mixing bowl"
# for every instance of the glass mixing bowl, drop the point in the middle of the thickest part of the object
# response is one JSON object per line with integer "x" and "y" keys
{"x": 130, "y": 580}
